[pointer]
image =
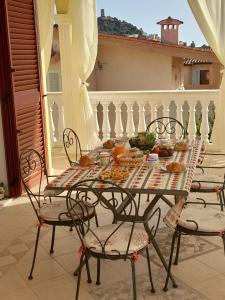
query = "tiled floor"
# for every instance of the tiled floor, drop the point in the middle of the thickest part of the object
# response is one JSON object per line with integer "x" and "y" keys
{"x": 200, "y": 273}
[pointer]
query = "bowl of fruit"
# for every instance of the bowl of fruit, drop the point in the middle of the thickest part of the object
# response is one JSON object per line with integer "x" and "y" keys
{"x": 164, "y": 150}
{"x": 143, "y": 141}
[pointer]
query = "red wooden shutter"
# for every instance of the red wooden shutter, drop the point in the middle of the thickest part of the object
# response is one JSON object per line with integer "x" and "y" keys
{"x": 25, "y": 75}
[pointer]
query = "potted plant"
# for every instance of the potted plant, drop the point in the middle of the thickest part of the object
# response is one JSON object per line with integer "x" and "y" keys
{"x": 2, "y": 190}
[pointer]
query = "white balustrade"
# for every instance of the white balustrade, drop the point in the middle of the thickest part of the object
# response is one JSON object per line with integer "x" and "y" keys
{"x": 158, "y": 101}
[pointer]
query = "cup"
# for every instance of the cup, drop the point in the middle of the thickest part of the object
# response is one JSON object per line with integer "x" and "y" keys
{"x": 104, "y": 158}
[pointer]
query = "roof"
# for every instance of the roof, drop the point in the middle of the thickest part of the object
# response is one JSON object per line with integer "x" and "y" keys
{"x": 189, "y": 61}
{"x": 170, "y": 21}
{"x": 205, "y": 54}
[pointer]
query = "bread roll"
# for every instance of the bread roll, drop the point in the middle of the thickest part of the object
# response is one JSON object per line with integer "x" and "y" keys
{"x": 85, "y": 160}
{"x": 175, "y": 167}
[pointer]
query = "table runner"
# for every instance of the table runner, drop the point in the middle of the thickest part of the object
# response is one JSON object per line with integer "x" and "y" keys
{"x": 143, "y": 179}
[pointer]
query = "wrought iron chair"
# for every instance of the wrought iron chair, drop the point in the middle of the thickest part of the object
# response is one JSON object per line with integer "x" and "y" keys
{"x": 167, "y": 126}
{"x": 72, "y": 146}
{"x": 121, "y": 238}
{"x": 210, "y": 183}
{"x": 188, "y": 219}
{"x": 32, "y": 167}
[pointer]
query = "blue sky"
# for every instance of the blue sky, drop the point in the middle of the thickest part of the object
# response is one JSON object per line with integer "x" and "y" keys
{"x": 145, "y": 13}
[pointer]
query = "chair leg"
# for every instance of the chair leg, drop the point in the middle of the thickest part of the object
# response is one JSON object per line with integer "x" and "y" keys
{"x": 133, "y": 279}
{"x": 223, "y": 197}
{"x": 149, "y": 271}
{"x": 96, "y": 220}
{"x": 71, "y": 228}
{"x": 178, "y": 249}
{"x": 88, "y": 269}
{"x": 35, "y": 253}
{"x": 221, "y": 200}
{"x": 148, "y": 198}
{"x": 170, "y": 261}
{"x": 79, "y": 275}
{"x": 53, "y": 239}
{"x": 98, "y": 272}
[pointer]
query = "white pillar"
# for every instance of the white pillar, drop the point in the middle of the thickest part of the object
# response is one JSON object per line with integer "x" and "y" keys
{"x": 191, "y": 122}
{"x": 130, "y": 120}
{"x": 95, "y": 120}
{"x": 142, "y": 123}
{"x": 179, "y": 118}
{"x": 118, "y": 124}
{"x": 106, "y": 125}
{"x": 205, "y": 122}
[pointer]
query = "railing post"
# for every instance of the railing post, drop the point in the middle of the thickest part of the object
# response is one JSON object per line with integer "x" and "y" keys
{"x": 191, "y": 122}
{"x": 179, "y": 118}
{"x": 95, "y": 117}
{"x": 118, "y": 124}
{"x": 205, "y": 122}
{"x": 130, "y": 120}
{"x": 105, "y": 124}
{"x": 142, "y": 123}
{"x": 167, "y": 114}
{"x": 153, "y": 117}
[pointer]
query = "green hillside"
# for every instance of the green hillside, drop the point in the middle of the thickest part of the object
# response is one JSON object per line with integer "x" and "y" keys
{"x": 115, "y": 26}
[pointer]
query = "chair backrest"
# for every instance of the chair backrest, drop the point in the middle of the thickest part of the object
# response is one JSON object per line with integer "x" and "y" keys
{"x": 167, "y": 127}
{"x": 72, "y": 145}
{"x": 32, "y": 167}
{"x": 108, "y": 197}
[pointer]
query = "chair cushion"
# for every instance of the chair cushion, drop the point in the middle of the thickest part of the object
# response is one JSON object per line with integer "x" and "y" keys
{"x": 51, "y": 211}
{"x": 210, "y": 185}
{"x": 209, "y": 219}
{"x": 117, "y": 243}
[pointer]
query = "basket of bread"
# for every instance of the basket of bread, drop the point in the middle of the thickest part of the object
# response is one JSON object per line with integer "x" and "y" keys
{"x": 133, "y": 158}
{"x": 181, "y": 146}
{"x": 175, "y": 167}
{"x": 114, "y": 172}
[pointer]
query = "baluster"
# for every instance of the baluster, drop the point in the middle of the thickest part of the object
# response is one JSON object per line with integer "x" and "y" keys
{"x": 118, "y": 124}
{"x": 130, "y": 120}
{"x": 106, "y": 125}
{"x": 61, "y": 125}
{"x": 54, "y": 112}
{"x": 180, "y": 119}
{"x": 153, "y": 117}
{"x": 95, "y": 118}
{"x": 205, "y": 122}
{"x": 141, "y": 111}
{"x": 168, "y": 125}
{"x": 191, "y": 122}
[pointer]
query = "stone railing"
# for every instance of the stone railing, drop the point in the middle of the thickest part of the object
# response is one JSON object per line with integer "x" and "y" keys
{"x": 126, "y": 113}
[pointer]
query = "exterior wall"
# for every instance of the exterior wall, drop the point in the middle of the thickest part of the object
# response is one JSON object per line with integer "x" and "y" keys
{"x": 122, "y": 68}
{"x": 3, "y": 172}
{"x": 214, "y": 76}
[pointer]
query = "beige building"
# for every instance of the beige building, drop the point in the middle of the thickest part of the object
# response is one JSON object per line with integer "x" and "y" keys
{"x": 130, "y": 63}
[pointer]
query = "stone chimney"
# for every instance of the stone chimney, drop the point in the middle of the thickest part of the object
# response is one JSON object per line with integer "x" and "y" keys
{"x": 169, "y": 30}
{"x": 102, "y": 12}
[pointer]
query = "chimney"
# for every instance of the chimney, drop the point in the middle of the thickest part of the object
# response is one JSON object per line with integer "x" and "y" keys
{"x": 170, "y": 30}
{"x": 102, "y": 12}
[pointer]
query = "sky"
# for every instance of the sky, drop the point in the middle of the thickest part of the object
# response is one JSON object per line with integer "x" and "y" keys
{"x": 145, "y": 13}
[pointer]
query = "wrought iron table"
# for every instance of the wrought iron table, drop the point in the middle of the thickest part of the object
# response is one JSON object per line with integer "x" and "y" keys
{"x": 142, "y": 180}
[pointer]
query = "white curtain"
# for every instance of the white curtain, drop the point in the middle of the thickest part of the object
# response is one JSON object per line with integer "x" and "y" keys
{"x": 82, "y": 15}
{"x": 210, "y": 15}
{"x": 45, "y": 20}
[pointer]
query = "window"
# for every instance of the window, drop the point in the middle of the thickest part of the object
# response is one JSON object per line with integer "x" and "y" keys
{"x": 54, "y": 82}
{"x": 200, "y": 77}
{"x": 204, "y": 76}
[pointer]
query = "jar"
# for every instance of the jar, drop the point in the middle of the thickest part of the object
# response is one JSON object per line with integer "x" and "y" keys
{"x": 104, "y": 158}
{"x": 119, "y": 149}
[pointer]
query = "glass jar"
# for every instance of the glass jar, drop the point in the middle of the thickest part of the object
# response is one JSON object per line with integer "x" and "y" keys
{"x": 119, "y": 149}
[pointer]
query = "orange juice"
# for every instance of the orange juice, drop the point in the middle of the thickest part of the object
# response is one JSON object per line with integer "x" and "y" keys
{"x": 119, "y": 149}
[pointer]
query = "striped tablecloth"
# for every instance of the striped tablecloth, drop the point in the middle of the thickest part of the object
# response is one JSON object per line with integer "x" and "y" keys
{"x": 142, "y": 179}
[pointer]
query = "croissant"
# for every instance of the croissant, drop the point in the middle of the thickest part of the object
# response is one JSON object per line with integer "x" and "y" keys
{"x": 175, "y": 167}
{"x": 85, "y": 160}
